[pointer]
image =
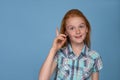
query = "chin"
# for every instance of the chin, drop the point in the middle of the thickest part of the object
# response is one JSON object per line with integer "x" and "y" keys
{"x": 78, "y": 42}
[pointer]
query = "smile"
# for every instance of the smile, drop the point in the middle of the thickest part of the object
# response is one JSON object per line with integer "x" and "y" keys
{"x": 78, "y": 36}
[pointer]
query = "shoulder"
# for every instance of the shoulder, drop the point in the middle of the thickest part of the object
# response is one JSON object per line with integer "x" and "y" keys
{"x": 63, "y": 51}
{"x": 93, "y": 54}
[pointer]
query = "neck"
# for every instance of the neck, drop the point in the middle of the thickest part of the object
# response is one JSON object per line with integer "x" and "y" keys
{"x": 77, "y": 48}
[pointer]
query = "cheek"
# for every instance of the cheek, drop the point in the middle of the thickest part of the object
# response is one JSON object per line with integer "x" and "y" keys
{"x": 84, "y": 35}
{"x": 71, "y": 34}
{"x": 84, "y": 32}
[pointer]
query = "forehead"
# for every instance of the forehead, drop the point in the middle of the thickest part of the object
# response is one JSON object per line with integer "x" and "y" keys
{"x": 75, "y": 21}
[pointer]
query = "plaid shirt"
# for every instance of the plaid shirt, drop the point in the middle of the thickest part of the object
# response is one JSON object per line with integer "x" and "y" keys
{"x": 72, "y": 67}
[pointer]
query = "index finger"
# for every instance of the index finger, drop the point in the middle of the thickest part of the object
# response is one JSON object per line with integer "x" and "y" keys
{"x": 57, "y": 31}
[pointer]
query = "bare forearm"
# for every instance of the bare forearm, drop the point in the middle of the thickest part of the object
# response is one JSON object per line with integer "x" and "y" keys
{"x": 95, "y": 76}
{"x": 49, "y": 65}
{"x": 45, "y": 71}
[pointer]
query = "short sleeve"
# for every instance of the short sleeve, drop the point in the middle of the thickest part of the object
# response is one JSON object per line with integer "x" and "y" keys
{"x": 98, "y": 65}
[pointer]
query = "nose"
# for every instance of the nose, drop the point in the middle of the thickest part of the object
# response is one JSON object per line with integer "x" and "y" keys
{"x": 77, "y": 31}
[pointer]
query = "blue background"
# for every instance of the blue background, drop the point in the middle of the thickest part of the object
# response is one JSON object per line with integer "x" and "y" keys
{"x": 27, "y": 30}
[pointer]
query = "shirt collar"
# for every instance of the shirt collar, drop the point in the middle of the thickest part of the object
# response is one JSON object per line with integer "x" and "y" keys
{"x": 83, "y": 52}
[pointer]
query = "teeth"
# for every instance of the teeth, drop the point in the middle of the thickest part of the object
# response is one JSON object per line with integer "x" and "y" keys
{"x": 78, "y": 36}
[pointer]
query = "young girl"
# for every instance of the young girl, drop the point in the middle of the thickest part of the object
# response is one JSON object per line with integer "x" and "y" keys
{"x": 70, "y": 54}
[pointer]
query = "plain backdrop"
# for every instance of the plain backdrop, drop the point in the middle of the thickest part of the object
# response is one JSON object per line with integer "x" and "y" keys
{"x": 27, "y": 30}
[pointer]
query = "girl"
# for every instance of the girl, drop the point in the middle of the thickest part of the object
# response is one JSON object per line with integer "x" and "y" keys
{"x": 70, "y": 54}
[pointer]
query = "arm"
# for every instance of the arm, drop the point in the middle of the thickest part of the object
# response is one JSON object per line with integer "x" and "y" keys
{"x": 49, "y": 65}
{"x": 95, "y": 76}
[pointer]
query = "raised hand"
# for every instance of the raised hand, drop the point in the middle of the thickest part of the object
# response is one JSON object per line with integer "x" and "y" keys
{"x": 59, "y": 40}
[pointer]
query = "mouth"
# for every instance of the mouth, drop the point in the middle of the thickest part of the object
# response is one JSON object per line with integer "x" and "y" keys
{"x": 77, "y": 37}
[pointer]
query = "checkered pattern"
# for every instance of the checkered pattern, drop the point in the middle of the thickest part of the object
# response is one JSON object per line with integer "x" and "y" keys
{"x": 72, "y": 67}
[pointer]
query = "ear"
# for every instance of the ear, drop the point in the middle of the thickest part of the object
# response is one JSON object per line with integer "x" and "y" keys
{"x": 86, "y": 30}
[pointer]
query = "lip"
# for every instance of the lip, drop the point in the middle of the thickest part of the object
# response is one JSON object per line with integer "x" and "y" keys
{"x": 78, "y": 36}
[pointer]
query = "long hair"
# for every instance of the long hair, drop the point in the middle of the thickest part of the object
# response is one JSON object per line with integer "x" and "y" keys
{"x": 76, "y": 13}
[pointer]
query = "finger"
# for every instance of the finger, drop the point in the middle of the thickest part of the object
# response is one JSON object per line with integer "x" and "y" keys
{"x": 63, "y": 41}
{"x": 57, "y": 31}
{"x": 60, "y": 38}
{"x": 63, "y": 35}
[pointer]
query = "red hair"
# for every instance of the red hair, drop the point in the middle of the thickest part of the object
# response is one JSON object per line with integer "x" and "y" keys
{"x": 76, "y": 13}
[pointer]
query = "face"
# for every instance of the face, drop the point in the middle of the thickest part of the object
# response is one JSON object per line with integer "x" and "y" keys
{"x": 76, "y": 30}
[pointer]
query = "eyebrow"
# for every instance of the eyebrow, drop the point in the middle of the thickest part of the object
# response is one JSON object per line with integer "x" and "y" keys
{"x": 79, "y": 25}
{"x": 83, "y": 23}
{"x": 70, "y": 26}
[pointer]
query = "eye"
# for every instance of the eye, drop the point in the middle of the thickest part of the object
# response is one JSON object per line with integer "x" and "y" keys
{"x": 71, "y": 28}
{"x": 82, "y": 26}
